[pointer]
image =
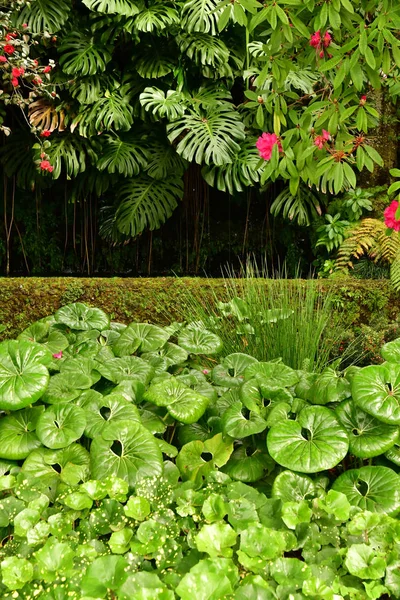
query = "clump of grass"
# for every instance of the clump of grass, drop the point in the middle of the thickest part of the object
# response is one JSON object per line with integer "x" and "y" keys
{"x": 269, "y": 316}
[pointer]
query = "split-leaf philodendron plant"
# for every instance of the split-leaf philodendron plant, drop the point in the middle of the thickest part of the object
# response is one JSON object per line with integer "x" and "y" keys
{"x": 141, "y": 462}
{"x": 141, "y": 89}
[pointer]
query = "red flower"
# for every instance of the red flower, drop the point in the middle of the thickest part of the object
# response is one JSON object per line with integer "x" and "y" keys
{"x": 36, "y": 63}
{"x": 315, "y": 40}
{"x": 47, "y": 69}
{"x": 58, "y": 354}
{"x": 390, "y": 216}
{"x": 3, "y": 59}
{"x": 9, "y": 49}
{"x": 327, "y": 39}
{"x": 37, "y": 81}
{"x": 321, "y": 139}
{"x": 15, "y": 82}
{"x": 321, "y": 54}
{"x": 46, "y": 166}
{"x": 266, "y": 143}
{"x": 363, "y": 100}
{"x": 46, "y": 133}
{"x": 17, "y": 72}
{"x": 10, "y": 36}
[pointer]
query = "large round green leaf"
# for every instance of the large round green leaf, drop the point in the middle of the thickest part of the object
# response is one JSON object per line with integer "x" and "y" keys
{"x": 41, "y": 332}
{"x": 391, "y": 351}
{"x": 128, "y": 367}
{"x": 368, "y": 437}
{"x": 150, "y": 337}
{"x": 313, "y": 443}
{"x": 105, "y": 410}
{"x": 70, "y": 464}
{"x": 17, "y": 433}
{"x": 23, "y": 377}
{"x": 60, "y": 425}
{"x": 126, "y": 450}
{"x": 293, "y": 487}
{"x": 230, "y": 372}
{"x": 170, "y": 353}
{"x": 376, "y": 489}
{"x": 238, "y": 422}
{"x": 248, "y": 464}
{"x": 63, "y": 387}
{"x": 82, "y": 370}
{"x": 277, "y": 373}
{"x": 183, "y": 403}
{"x": 393, "y": 454}
{"x": 376, "y": 390}
{"x": 329, "y": 387}
{"x": 82, "y": 317}
{"x": 200, "y": 341}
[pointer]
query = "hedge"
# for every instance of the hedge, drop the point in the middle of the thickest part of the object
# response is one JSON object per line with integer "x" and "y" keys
{"x": 159, "y": 300}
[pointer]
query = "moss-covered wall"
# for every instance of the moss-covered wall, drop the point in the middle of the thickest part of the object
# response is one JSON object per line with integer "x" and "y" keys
{"x": 23, "y": 301}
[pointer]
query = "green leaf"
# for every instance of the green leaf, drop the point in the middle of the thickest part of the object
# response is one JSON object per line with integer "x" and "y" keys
{"x": 60, "y": 425}
{"x": 111, "y": 408}
{"x": 123, "y": 154}
{"x": 375, "y": 489}
{"x": 17, "y": 433}
{"x": 295, "y": 513}
{"x": 289, "y": 486}
{"x": 313, "y": 443}
{"x": 83, "y": 54}
{"x": 134, "y": 368}
{"x": 368, "y": 437}
{"x": 209, "y": 579}
{"x": 336, "y": 504}
{"x": 216, "y": 539}
{"x": 183, "y": 403}
{"x": 199, "y": 341}
{"x": 23, "y": 376}
{"x": 376, "y": 390}
{"x": 143, "y": 586}
{"x": 44, "y": 15}
{"x": 104, "y": 574}
{"x": 16, "y": 572}
{"x": 262, "y": 542}
{"x": 126, "y": 450}
{"x": 363, "y": 562}
{"x": 82, "y": 317}
{"x": 237, "y": 423}
{"x": 137, "y": 508}
{"x": 278, "y": 374}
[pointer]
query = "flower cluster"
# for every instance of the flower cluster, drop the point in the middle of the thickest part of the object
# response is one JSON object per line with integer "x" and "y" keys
{"x": 265, "y": 145}
{"x": 320, "y": 140}
{"x": 390, "y": 216}
{"x": 319, "y": 42}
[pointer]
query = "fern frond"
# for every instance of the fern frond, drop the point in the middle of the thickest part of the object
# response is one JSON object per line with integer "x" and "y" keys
{"x": 395, "y": 272}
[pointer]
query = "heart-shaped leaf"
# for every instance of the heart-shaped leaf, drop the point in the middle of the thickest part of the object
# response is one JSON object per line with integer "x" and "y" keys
{"x": 368, "y": 437}
{"x": 128, "y": 367}
{"x": 23, "y": 376}
{"x": 329, "y": 387}
{"x": 196, "y": 459}
{"x": 60, "y": 425}
{"x": 63, "y": 387}
{"x": 200, "y": 341}
{"x": 126, "y": 450}
{"x": 171, "y": 353}
{"x": 278, "y": 374}
{"x": 70, "y": 464}
{"x": 148, "y": 338}
{"x": 376, "y": 489}
{"x": 183, "y": 403}
{"x": 81, "y": 317}
{"x": 239, "y": 422}
{"x": 293, "y": 487}
{"x": 231, "y": 371}
{"x": 105, "y": 410}
{"x": 248, "y": 464}
{"x": 17, "y": 433}
{"x": 314, "y": 442}
{"x": 376, "y": 390}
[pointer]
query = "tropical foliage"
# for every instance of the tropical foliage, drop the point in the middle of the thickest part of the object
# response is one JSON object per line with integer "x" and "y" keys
{"x": 145, "y": 462}
{"x": 142, "y": 89}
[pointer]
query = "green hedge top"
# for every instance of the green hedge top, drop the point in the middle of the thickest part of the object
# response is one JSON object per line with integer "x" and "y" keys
{"x": 25, "y": 300}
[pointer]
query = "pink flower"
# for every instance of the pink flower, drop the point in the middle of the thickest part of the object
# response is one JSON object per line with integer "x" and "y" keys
{"x": 24, "y": 25}
{"x": 58, "y": 354}
{"x": 47, "y": 69}
{"x": 205, "y": 371}
{"x": 17, "y": 72}
{"x": 327, "y": 39}
{"x": 266, "y": 143}
{"x": 14, "y": 82}
{"x": 315, "y": 40}
{"x": 321, "y": 139}
{"x": 3, "y": 59}
{"x": 37, "y": 81}
{"x": 46, "y": 166}
{"x": 390, "y": 216}
{"x": 9, "y": 49}
{"x": 321, "y": 54}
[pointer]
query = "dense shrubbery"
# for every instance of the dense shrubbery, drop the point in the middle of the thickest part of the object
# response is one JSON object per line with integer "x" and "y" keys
{"x": 136, "y": 464}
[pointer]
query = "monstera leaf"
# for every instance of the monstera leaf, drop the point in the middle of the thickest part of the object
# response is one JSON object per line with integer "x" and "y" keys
{"x": 23, "y": 376}
{"x": 368, "y": 437}
{"x": 376, "y": 390}
{"x": 17, "y": 433}
{"x": 237, "y": 422}
{"x": 183, "y": 403}
{"x": 292, "y": 487}
{"x": 376, "y": 489}
{"x": 81, "y": 317}
{"x": 231, "y": 370}
{"x": 199, "y": 341}
{"x": 313, "y": 443}
{"x": 60, "y": 425}
{"x": 128, "y": 367}
{"x": 277, "y": 373}
{"x": 126, "y": 450}
{"x": 105, "y": 410}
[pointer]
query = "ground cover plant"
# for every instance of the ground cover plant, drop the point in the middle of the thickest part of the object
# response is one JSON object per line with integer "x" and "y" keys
{"x": 144, "y": 462}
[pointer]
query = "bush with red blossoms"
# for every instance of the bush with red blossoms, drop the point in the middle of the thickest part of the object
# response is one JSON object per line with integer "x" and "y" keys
{"x": 265, "y": 145}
